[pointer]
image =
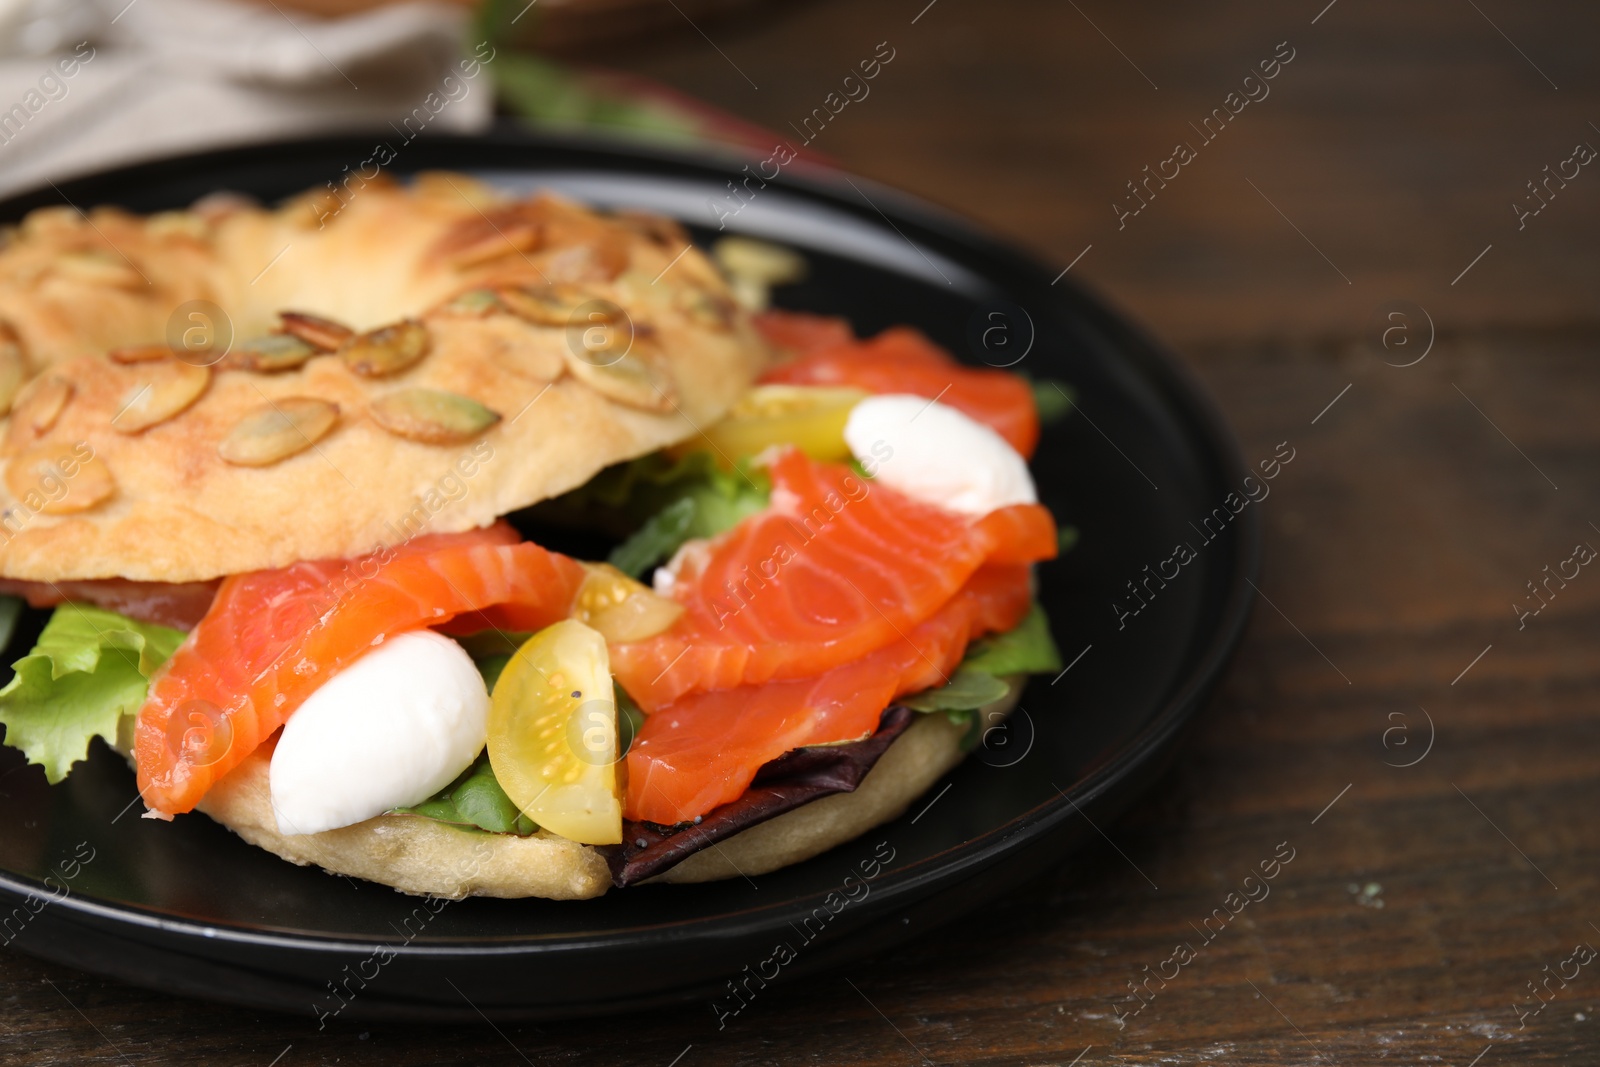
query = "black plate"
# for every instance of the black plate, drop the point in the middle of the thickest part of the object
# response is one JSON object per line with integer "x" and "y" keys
{"x": 186, "y": 907}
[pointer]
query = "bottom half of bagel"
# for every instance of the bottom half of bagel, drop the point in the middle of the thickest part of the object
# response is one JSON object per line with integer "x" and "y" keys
{"x": 424, "y": 857}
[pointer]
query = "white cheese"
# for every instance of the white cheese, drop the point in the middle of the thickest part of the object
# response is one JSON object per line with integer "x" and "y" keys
{"x": 388, "y": 731}
{"x": 692, "y": 553}
{"x": 938, "y": 455}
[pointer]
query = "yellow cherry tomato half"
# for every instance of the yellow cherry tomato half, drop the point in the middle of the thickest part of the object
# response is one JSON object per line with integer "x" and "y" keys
{"x": 620, "y": 608}
{"x": 811, "y": 417}
{"x": 553, "y": 734}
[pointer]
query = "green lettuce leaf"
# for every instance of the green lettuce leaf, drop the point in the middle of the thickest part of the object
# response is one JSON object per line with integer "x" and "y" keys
{"x": 981, "y": 677}
{"x": 968, "y": 690}
{"x": 676, "y": 501}
{"x": 657, "y": 539}
{"x": 655, "y": 503}
{"x": 474, "y": 800}
{"x": 89, "y": 668}
{"x": 1026, "y": 649}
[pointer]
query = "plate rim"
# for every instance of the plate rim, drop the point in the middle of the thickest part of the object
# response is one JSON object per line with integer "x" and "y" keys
{"x": 1180, "y": 391}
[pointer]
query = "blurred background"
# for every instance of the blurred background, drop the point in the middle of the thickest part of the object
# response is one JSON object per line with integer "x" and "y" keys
{"x": 1395, "y": 145}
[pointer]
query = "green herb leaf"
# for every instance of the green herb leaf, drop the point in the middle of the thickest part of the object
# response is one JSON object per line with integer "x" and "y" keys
{"x": 1053, "y": 398}
{"x": 474, "y": 800}
{"x": 491, "y": 650}
{"x": 657, "y": 539}
{"x": 666, "y": 502}
{"x": 630, "y": 720}
{"x": 490, "y": 667}
{"x": 1027, "y": 649}
{"x": 980, "y": 680}
{"x": 967, "y": 690}
{"x": 89, "y": 668}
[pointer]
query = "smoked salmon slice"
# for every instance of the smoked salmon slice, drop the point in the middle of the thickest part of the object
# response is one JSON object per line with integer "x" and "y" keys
{"x": 799, "y": 332}
{"x": 704, "y": 750}
{"x": 835, "y": 569}
{"x": 272, "y": 637}
{"x": 902, "y": 360}
{"x": 176, "y": 604}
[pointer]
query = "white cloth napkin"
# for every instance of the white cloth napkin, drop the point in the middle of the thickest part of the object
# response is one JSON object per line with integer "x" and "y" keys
{"x": 88, "y": 84}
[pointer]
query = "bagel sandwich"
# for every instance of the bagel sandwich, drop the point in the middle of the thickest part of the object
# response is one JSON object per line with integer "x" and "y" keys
{"x": 483, "y": 545}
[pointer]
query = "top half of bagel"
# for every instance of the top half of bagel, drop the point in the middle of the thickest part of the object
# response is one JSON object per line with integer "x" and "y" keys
{"x": 453, "y": 355}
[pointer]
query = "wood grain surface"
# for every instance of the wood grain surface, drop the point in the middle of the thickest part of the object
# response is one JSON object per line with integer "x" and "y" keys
{"x": 1422, "y": 900}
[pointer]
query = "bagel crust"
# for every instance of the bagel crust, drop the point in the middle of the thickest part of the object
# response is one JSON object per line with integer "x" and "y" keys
{"x": 160, "y": 503}
{"x": 410, "y": 853}
{"x": 420, "y": 856}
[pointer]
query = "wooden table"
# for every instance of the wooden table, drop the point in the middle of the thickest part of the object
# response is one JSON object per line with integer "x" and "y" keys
{"x": 1422, "y": 899}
